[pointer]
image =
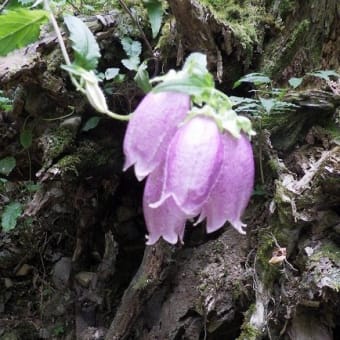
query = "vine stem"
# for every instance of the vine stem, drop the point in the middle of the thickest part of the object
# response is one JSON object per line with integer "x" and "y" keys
{"x": 58, "y": 33}
{"x": 127, "y": 10}
{"x": 68, "y": 60}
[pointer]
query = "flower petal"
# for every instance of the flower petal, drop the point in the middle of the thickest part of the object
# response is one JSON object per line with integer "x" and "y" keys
{"x": 234, "y": 186}
{"x": 167, "y": 220}
{"x": 193, "y": 161}
{"x": 151, "y": 128}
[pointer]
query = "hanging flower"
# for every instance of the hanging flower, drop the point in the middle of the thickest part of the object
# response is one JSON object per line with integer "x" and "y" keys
{"x": 198, "y": 159}
{"x": 206, "y": 172}
{"x": 168, "y": 220}
{"x": 193, "y": 161}
{"x": 231, "y": 193}
{"x": 151, "y": 129}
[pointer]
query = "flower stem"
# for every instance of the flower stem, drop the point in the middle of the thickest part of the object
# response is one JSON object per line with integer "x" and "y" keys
{"x": 68, "y": 61}
{"x": 58, "y": 33}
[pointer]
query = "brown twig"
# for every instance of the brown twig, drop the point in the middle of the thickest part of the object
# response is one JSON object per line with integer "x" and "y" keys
{"x": 127, "y": 10}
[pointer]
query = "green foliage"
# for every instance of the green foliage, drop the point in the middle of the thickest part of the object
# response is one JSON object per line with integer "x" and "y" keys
{"x": 26, "y": 137}
{"x": 267, "y": 101}
{"x": 26, "y": 2}
{"x": 267, "y": 104}
{"x": 20, "y": 27}
{"x": 91, "y": 123}
{"x": 111, "y": 73}
{"x": 5, "y": 103}
{"x": 155, "y": 13}
{"x": 253, "y": 78}
{"x": 84, "y": 44}
{"x": 7, "y": 164}
{"x": 295, "y": 82}
{"x": 325, "y": 74}
{"x": 133, "y": 49}
{"x": 194, "y": 79}
{"x": 10, "y": 215}
{"x": 142, "y": 78}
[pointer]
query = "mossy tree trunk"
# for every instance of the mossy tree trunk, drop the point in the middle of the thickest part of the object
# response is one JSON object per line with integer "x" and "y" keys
{"x": 86, "y": 236}
{"x": 282, "y": 280}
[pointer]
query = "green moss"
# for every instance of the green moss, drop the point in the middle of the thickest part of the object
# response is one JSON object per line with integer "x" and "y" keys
{"x": 286, "y": 7}
{"x": 324, "y": 266}
{"x": 248, "y": 332}
{"x": 69, "y": 164}
{"x": 243, "y": 17}
{"x": 329, "y": 250}
{"x": 281, "y": 56}
{"x": 268, "y": 271}
{"x": 298, "y": 34}
{"x": 58, "y": 142}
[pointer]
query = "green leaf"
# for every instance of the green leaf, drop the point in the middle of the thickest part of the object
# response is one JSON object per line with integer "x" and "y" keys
{"x": 268, "y": 104}
{"x": 91, "y": 123}
{"x": 325, "y": 74}
{"x": 10, "y": 215}
{"x": 155, "y": 12}
{"x": 32, "y": 187}
{"x": 142, "y": 78}
{"x": 191, "y": 85}
{"x": 133, "y": 49}
{"x": 131, "y": 63}
{"x": 254, "y": 78}
{"x": 196, "y": 63}
{"x": 26, "y": 2}
{"x": 295, "y": 82}
{"x": 20, "y": 27}
{"x": 26, "y": 137}
{"x": 5, "y": 103}
{"x": 7, "y": 164}
{"x": 111, "y": 73}
{"x": 84, "y": 44}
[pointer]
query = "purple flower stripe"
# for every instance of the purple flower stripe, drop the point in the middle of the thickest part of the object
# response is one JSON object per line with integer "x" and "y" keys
{"x": 167, "y": 220}
{"x": 193, "y": 161}
{"x": 231, "y": 194}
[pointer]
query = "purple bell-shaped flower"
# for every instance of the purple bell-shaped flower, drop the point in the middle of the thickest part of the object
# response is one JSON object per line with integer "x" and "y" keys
{"x": 206, "y": 173}
{"x": 231, "y": 193}
{"x": 151, "y": 129}
{"x": 167, "y": 220}
{"x": 193, "y": 161}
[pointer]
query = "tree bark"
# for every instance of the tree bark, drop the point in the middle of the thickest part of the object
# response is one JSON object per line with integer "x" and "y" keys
{"x": 281, "y": 280}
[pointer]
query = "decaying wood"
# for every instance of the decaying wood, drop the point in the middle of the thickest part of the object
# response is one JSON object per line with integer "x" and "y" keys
{"x": 219, "y": 286}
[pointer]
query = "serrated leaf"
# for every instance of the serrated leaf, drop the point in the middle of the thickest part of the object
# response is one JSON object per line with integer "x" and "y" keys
{"x": 10, "y": 215}
{"x": 155, "y": 12}
{"x": 132, "y": 48}
{"x": 91, "y": 123}
{"x": 84, "y": 44}
{"x": 26, "y": 137}
{"x": 142, "y": 78}
{"x": 295, "y": 82}
{"x": 20, "y": 27}
{"x": 7, "y": 164}
{"x": 254, "y": 78}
